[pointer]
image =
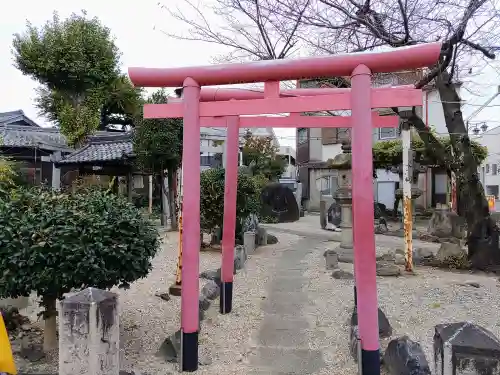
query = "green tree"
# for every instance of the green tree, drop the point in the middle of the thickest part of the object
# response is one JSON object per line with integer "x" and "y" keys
{"x": 212, "y": 199}
{"x": 52, "y": 243}
{"x": 76, "y": 61}
{"x": 260, "y": 154}
{"x": 158, "y": 147}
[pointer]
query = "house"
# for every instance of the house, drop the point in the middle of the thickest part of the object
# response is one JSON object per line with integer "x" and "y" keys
{"x": 25, "y": 141}
{"x": 212, "y": 144}
{"x": 489, "y": 170}
{"x": 316, "y": 146}
{"x": 289, "y": 155}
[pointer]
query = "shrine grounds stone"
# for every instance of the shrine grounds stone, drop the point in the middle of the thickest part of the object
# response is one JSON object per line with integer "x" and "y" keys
{"x": 210, "y": 290}
{"x": 388, "y": 269}
{"x": 384, "y": 327}
{"x": 89, "y": 334}
{"x": 465, "y": 348}
{"x": 271, "y": 239}
{"x": 332, "y": 260}
{"x": 340, "y": 274}
{"x": 405, "y": 357}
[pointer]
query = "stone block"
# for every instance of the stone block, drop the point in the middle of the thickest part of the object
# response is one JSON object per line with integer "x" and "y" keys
{"x": 210, "y": 290}
{"x": 203, "y": 303}
{"x": 261, "y": 237}
{"x": 355, "y": 343}
{"x": 405, "y": 357}
{"x": 249, "y": 242}
{"x": 89, "y": 333}
{"x": 465, "y": 349}
{"x": 331, "y": 259}
{"x": 271, "y": 239}
{"x": 384, "y": 327}
{"x": 240, "y": 257}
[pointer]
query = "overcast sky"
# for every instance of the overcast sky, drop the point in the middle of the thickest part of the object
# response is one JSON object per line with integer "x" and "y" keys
{"x": 136, "y": 27}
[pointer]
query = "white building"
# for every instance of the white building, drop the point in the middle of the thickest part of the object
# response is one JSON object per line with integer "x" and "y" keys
{"x": 212, "y": 142}
{"x": 489, "y": 170}
{"x": 288, "y": 153}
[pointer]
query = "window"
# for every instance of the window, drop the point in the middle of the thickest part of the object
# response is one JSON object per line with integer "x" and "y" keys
{"x": 492, "y": 190}
{"x": 387, "y": 133}
{"x": 487, "y": 168}
{"x": 301, "y": 135}
{"x": 327, "y": 185}
{"x": 493, "y": 169}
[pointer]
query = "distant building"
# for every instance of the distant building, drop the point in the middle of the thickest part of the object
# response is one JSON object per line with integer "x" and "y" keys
{"x": 316, "y": 146}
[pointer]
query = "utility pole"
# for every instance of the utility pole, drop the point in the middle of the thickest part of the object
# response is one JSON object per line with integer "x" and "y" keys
{"x": 407, "y": 181}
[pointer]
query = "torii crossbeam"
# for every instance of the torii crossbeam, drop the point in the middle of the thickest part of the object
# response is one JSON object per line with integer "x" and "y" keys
{"x": 361, "y": 99}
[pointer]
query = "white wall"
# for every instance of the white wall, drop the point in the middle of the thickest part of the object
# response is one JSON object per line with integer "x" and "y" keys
{"x": 330, "y": 151}
{"x": 315, "y": 144}
{"x": 487, "y": 175}
{"x": 432, "y": 111}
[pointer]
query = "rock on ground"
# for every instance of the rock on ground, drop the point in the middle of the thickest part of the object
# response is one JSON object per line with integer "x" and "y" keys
{"x": 405, "y": 357}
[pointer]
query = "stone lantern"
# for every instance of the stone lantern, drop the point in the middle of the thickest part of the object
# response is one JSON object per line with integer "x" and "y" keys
{"x": 343, "y": 195}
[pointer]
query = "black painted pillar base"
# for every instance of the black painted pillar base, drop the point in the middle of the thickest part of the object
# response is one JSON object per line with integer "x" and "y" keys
{"x": 355, "y": 296}
{"x": 226, "y": 297}
{"x": 189, "y": 351}
{"x": 370, "y": 362}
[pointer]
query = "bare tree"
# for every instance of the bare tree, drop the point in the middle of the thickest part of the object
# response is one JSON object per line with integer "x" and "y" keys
{"x": 251, "y": 29}
{"x": 267, "y": 29}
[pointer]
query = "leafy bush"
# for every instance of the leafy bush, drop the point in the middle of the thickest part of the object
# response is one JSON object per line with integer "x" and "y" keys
{"x": 51, "y": 243}
{"x": 11, "y": 176}
{"x": 212, "y": 199}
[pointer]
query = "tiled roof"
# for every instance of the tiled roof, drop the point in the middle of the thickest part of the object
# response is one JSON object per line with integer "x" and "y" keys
{"x": 31, "y": 136}
{"x": 104, "y": 146}
{"x": 16, "y": 117}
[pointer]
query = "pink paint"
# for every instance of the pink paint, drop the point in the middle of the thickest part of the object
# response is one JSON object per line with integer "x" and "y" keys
{"x": 384, "y": 98}
{"x": 190, "y": 207}
{"x": 272, "y": 89}
{"x": 297, "y": 121}
{"x": 230, "y": 190}
{"x": 284, "y": 70}
{"x": 363, "y": 211}
{"x": 213, "y": 94}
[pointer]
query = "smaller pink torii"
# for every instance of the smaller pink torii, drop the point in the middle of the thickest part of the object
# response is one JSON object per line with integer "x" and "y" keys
{"x": 361, "y": 99}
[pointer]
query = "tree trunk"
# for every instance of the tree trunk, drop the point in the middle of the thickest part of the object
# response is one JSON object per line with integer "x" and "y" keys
{"x": 164, "y": 199}
{"x": 171, "y": 198}
{"x": 482, "y": 231}
{"x": 162, "y": 209}
{"x": 50, "y": 329}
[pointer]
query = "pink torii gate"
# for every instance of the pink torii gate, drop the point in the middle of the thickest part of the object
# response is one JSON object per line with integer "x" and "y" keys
{"x": 222, "y": 107}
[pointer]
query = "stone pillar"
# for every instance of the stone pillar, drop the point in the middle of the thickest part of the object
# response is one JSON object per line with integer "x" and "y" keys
{"x": 56, "y": 172}
{"x": 89, "y": 333}
{"x": 344, "y": 198}
{"x": 322, "y": 214}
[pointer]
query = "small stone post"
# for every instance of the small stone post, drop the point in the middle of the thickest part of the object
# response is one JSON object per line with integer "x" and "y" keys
{"x": 249, "y": 242}
{"x": 89, "y": 333}
{"x": 56, "y": 172}
{"x": 322, "y": 214}
{"x": 344, "y": 197}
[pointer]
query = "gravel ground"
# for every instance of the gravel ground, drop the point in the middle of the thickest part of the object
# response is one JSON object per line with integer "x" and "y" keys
{"x": 413, "y": 304}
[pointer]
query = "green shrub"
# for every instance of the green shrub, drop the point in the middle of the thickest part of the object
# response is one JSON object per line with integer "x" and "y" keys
{"x": 212, "y": 199}
{"x": 52, "y": 243}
